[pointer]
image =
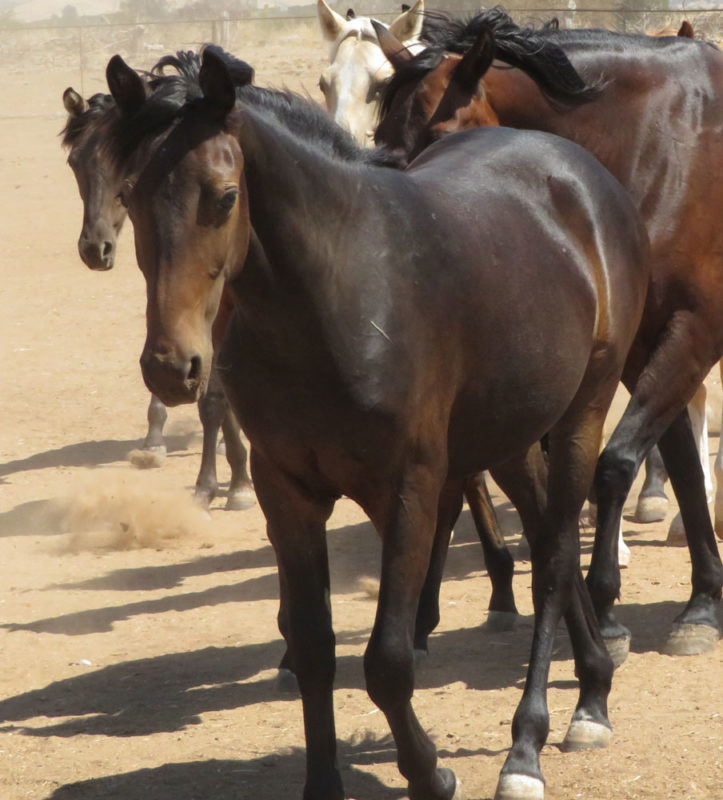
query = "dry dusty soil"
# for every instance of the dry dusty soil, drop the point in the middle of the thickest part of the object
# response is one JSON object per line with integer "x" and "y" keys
{"x": 138, "y": 638}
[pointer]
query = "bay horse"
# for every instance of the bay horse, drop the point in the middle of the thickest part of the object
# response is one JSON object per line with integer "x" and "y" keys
{"x": 103, "y": 218}
{"x": 386, "y": 324}
{"x": 671, "y": 170}
{"x": 358, "y": 68}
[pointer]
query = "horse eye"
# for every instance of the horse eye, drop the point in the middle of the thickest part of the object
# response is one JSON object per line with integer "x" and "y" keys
{"x": 226, "y": 201}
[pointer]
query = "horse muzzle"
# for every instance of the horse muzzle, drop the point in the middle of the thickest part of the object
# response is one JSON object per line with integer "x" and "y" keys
{"x": 172, "y": 378}
{"x": 97, "y": 254}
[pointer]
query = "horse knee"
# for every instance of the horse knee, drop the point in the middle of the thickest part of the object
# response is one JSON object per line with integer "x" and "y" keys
{"x": 614, "y": 475}
{"x": 389, "y": 671}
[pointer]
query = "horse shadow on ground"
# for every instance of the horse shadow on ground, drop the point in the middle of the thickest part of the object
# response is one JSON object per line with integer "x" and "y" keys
{"x": 89, "y": 454}
{"x": 355, "y": 554}
{"x": 266, "y": 778}
{"x": 169, "y": 692}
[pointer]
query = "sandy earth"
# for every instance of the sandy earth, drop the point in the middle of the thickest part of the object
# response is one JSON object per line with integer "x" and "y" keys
{"x": 149, "y": 672}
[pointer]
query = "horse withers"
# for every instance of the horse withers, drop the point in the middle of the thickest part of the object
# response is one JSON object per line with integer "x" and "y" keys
{"x": 395, "y": 332}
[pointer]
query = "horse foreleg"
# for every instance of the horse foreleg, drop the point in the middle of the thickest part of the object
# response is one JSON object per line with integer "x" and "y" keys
{"x": 296, "y": 522}
{"x": 240, "y": 491}
{"x": 157, "y": 416}
{"x": 211, "y": 411}
{"x": 408, "y": 533}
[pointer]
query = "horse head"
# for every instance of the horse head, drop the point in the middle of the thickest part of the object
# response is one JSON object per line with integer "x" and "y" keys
{"x": 434, "y": 93}
{"x": 358, "y": 68}
{"x": 187, "y": 201}
{"x": 103, "y": 215}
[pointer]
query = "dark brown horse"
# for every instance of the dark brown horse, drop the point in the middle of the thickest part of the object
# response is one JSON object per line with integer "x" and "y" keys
{"x": 655, "y": 121}
{"x": 386, "y": 324}
{"x": 103, "y": 218}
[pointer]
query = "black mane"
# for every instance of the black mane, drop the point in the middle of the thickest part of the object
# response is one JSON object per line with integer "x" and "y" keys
{"x": 529, "y": 49}
{"x": 173, "y": 96}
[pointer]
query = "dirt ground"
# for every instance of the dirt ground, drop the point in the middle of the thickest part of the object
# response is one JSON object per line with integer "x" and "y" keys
{"x": 138, "y": 638}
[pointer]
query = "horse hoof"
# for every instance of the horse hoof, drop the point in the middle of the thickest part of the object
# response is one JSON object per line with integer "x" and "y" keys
{"x": 618, "y": 649}
{"x": 676, "y": 533}
{"x": 286, "y": 682}
{"x": 586, "y": 734}
{"x": 691, "y": 639}
{"x": 147, "y": 459}
{"x": 500, "y": 621}
{"x": 651, "y": 509}
{"x": 241, "y": 500}
{"x": 520, "y": 787}
{"x": 458, "y": 790}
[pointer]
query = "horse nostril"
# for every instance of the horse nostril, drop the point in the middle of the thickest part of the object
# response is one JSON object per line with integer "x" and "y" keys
{"x": 107, "y": 249}
{"x": 193, "y": 372}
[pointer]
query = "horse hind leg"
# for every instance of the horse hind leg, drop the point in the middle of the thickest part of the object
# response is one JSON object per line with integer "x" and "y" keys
{"x": 558, "y": 589}
{"x": 502, "y": 611}
{"x": 696, "y": 629}
{"x": 659, "y": 393}
{"x": 652, "y": 505}
{"x": 699, "y": 424}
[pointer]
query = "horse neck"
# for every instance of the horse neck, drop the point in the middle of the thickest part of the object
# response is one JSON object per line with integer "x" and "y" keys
{"x": 295, "y": 196}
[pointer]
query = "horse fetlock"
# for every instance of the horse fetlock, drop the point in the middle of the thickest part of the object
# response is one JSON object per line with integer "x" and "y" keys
{"x": 519, "y": 787}
{"x": 443, "y": 786}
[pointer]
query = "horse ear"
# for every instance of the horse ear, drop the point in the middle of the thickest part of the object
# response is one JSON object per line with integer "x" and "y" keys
{"x": 216, "y": 83}
{"x": 408, "y": 25}
{"x": 393, "y": 49}
{"x": 350, "y": 14}
{"x": 332, "y": 24}
{"x": 475, "y": 62}
{"x": 125, "y": 85}
{"x": 686, "y": 30}
{"x": 74, "y": 104}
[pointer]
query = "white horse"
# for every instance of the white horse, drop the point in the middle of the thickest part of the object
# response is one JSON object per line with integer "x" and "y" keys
{"x": 358, "y": 68}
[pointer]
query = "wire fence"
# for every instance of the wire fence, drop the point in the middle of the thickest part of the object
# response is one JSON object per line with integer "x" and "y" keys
{"x": 284, "y": 50}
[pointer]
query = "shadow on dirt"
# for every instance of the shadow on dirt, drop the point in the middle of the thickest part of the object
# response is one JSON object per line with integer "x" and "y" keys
{"x": 89, "y": 454}
{"x": 172, "y": 691}
{"x": 267, "y": 778}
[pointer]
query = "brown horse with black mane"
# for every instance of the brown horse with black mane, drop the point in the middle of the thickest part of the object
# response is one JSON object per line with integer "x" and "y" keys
{"x": 395, "y": 332}
{"x": 654, "y": 118}
{"x": 103, "y": 218}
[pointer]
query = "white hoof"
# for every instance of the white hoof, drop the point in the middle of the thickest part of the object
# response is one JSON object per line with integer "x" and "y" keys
{"x": 618, "y": 649}
{"x": 458, "y": 791}
{"x": 651, "y": 509}
{"x": 691, "y": 640}
{"x": 586, "y": 734}
{"x": 676, "y": 533}
{"x": 623, "y": 553}
{"x": 519, "y": 787}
